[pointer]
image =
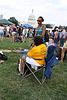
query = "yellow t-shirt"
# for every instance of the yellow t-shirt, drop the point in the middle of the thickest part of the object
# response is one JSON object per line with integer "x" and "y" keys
{"x": 38, "y": 52}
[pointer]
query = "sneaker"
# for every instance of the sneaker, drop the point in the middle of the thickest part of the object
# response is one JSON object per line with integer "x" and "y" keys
{"x": 20, "y": 74}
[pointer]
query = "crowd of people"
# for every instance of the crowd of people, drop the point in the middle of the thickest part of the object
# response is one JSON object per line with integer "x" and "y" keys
{"x": 17, "y": 33}
{"x": 56, "y": 38}
{"x": 42, "y": 37}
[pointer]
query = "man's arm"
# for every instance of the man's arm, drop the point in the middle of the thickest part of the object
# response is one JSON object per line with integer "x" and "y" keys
{"x": 62, "y": 36}
{"x": 36, "y": 32}
{"x": 15, "y": 51}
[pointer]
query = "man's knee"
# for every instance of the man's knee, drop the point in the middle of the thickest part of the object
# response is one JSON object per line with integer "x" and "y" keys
{"x": 23, "y": 58}
{"x": 64, "y": 49}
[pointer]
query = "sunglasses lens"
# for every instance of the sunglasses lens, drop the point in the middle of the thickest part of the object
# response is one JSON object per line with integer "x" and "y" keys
{"x": 39, "y": 20}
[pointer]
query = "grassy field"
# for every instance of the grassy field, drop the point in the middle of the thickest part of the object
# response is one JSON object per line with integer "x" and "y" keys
{"x": 13, "y": 87}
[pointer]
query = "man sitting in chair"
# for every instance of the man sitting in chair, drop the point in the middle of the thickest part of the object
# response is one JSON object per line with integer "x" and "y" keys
{"x": 38, "y": 51}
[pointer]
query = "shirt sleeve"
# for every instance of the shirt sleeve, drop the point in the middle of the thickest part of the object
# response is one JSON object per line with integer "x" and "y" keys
{"x": 31, "y": 52}
{"x": 20, "y": 51}
{"x": 24, "y": 51}
{"x": 63, "y": 33}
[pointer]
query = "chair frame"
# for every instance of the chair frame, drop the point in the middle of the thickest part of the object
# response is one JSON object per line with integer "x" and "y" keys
{"x": 33, "y": 73}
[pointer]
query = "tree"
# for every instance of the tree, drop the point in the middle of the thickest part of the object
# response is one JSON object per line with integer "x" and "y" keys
{"x": 66, "y": 28}
{"x": 56, "y": 27}
{"x": 13, "y": 20}
{"x": 60, "y": 27}
{"x": 48, "y": 26}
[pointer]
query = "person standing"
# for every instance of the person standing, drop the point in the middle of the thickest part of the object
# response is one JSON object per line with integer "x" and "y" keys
{"x": 24, "y": 33}
{"x": 7, "y": 29}
{"x": 30, "y": 34}
{"x": 41, "y": 29}
{"x": 56, "y": 37}
{"x": 62, "y": 36}
{"x": 20, "y": 31}
{"x": 52, "y": 33}
{"x": 14, "y": 33}
{"x": 34, "y": 32}
{"x": 66, "y": 31}
{"x": 11, "y": 30}
{"x": 1, "y": 32}
{"x": 64, "y": 49}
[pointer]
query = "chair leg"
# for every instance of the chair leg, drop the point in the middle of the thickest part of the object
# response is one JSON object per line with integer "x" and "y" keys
{"x": 25, "y": 72}
{"x": 34, "y": 75}
{"x": 33, "y": 72}
{"x": 43, "y": 79}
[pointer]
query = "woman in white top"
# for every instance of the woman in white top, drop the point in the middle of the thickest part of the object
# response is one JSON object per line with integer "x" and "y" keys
{"x": 8, "y": 29}
{"x": 1, "y": 32}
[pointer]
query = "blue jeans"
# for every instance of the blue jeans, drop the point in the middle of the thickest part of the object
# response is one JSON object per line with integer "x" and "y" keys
{"x": 1, "y": 33}
{"x": 62, "y": 42}
{"x": 56, "y": 40}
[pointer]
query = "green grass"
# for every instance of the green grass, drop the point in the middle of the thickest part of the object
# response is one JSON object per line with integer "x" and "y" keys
{"x": 13, "y": 87}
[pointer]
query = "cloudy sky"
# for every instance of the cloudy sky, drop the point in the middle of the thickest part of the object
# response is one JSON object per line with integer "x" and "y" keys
{"x": 53, "y": 11}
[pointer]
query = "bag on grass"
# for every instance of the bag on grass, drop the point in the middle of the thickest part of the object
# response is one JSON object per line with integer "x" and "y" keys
{"x": 3, "y": 57}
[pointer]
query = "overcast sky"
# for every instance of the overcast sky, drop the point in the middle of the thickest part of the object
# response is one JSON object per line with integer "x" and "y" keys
{"x": 53, "y": 11}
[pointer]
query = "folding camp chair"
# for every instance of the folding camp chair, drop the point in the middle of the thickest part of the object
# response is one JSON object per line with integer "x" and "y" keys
{"x": 51, "y": 50}
{"x": 38, "y": 68}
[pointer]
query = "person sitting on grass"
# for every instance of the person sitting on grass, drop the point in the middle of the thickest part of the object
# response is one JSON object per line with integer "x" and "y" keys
{"x": 38, "y": 51}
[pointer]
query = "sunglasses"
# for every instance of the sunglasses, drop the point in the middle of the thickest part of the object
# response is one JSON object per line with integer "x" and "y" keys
{"x": 39, "y": 21}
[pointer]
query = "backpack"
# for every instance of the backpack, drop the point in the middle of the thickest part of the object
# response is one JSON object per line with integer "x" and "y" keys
{"x": 3, "y": 57}
{"x": 46, "y": 37}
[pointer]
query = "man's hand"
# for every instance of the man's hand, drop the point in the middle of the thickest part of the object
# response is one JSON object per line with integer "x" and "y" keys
{"x": 14, "y": 51}
{"x": 41, "y": 36}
